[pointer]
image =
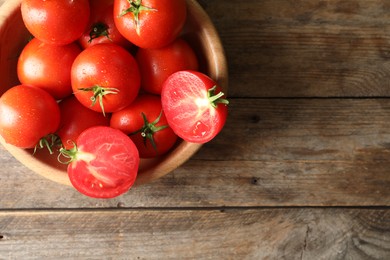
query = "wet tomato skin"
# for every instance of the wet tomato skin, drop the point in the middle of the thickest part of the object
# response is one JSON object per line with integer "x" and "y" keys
{"x": 111, "y": 68}
{"x": 48, "y": 66}
{"x": 101, "y": 27}
{"x": 156, "y": 65}
{"x": 75, "y": 118}
{"x": 160, "y": 21}
{"x": 27, "y": 114}
{"x": 130, "y": 121}
{"x": 57, "y": 22}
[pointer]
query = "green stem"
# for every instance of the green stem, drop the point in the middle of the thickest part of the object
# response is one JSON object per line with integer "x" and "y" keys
{"x": 149, "y": 129}
{"x": 98, "y": 94}
{"x": 69, "y": 154}
{"x": 49, "y": 141}
{"x": 216, "y": 99}
{"x": 136, "y": 8}
{"x": 98, "y": 29}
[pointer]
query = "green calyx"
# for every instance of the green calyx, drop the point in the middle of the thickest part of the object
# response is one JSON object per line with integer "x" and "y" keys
{"x": 149, "y": 129}
{"x": 216, "y": 99}
{"x": 136, "y": 8}
{"x": 69, "y": 154}
{"x": 98, "y": 29}
{"x": 49, "y": 141}
{"x": 99, "y": 93}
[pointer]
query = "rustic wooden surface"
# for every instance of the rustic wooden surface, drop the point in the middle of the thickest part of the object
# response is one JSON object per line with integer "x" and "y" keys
{"x": 301, "y": 170}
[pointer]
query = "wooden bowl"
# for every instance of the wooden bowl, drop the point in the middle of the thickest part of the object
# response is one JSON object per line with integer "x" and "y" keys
{"x": 200, "y": 33}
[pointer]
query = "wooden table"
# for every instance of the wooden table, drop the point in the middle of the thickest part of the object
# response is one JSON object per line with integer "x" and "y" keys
{"x": 301, "y": 170}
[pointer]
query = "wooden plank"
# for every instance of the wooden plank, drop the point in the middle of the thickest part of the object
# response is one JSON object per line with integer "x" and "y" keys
{"x": 272, "y": 152}
{"x": 305, "y": 48}
{"x": 196, "y": 234}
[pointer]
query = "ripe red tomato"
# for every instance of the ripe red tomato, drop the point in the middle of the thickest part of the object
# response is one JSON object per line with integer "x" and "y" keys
{"x": 105, "y": 77}
{"x": 75, "y": 118}
{"x": 48, "y": 66}
{"x": 156, "y": 65}
{"x": 194, "y": 106}
{"x": 104, "y": 163}
{"x": 55, "y": 22}
{"x": 144, "y": 121}
{"x": 27, "y": 114}
{"x": 101, "y": 27}
{"x": 150, "y": 23}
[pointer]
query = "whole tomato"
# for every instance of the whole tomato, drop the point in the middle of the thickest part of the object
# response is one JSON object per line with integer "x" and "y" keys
{"x": 144, "y": 121}
{"x": 48, "y": 66}
{"x": 27, "y": 114}
{"x": 105, "y": 77}
{"x": 156, "y": 65}
{"x": 150, "y": 23}
{"x": 56, "y": 22}
{"x": 101, "y": 27}
{"x": 75, "y": 118}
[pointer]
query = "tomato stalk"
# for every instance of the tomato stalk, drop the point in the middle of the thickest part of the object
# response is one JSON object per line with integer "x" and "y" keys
{"x": 70, "y": 154}
{"x": 98, "y": 29}
{"x": 136, "y": 8}
{"x": 98, "y": 94}
{"x": 49, "y": 141}
{"x": 73, "y": 154}
{"x": 215, "y": 99}
{"x": 149, "y": 129}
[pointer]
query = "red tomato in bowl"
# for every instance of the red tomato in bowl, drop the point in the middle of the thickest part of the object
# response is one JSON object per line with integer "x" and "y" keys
{"x": 194, "y": 105}
{"x": 156, "y": 65}
{"x": 56, "y": 22}
{"x": 145, "y": 123}
{"x": 48, "y": 66}
{"x": 150, "y": 23}
{"x": 27, "y": 114}
{"x": 105, "y": 77}
{"x": 103, "y": 164}
{"x": 75, "y": 118}
{"x": 101, "y": 27}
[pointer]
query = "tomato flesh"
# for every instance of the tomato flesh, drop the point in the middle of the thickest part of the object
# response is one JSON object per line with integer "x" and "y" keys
{"x": 188, "y": 109}
{"x": 106, "y": 163}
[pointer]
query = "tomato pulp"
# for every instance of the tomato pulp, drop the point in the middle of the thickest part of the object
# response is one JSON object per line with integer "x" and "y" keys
{"x": 194, "y": 106}
{"x": 104, "y": 162}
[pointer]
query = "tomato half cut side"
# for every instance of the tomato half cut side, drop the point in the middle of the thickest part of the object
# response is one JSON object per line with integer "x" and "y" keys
{"x": 105, "y": 164}
{"x": 194, "y": 106}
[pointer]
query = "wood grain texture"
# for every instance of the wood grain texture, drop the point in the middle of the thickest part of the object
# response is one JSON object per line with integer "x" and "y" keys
{"x": 196, "y": 234}
{"x": 305, "y": 48}
{"x": 308, "y": 126}
{"x": 272, "y": 152}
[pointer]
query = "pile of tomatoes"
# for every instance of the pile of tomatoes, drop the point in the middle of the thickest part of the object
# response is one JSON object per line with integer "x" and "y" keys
{"x": 105, "y": 83}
